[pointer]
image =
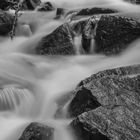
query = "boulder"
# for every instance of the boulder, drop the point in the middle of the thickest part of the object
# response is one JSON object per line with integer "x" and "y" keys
{"x": 117, "y": 123}
{"x": 37, "y": 131}
{"x": 106, "y": 105}
{"x": 46, "y": 6}
{"x": 6, "y": 23}
{"x": 59, "y": 42}
{"x": 114, "y": 33}
{"x": 110, "y": 88}
{"x": 111, "y": 33}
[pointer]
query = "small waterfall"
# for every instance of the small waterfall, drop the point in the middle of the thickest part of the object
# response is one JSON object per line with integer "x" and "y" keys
{"x": 31, "y": 85}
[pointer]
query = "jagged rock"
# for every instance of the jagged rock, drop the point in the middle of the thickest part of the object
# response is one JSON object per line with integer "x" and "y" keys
{"x": 37, "y": 131}
{"x": 84, "y": 129}
{"x": 46, "y": 6}
{"x": 110, "y": 88}
{"x": 117, "y": 123}
{"x": 57, "y": 43}
{"x": 6, "y": 22}
{"x": 108, "y": 105}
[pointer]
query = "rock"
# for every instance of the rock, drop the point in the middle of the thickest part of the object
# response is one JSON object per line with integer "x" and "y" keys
{"x": 27, "y": 4}
{"x": 37, "y": 131}
{"x": 84, "y": 129}
{"x": 6, "y": 22}
{"x": 117, "y": 123}
{"x": 106, "y": 105}
{"x": 110, "y": 88}
{"x": 60, "y": 12}
{"x": 111, "y": 33}
{"x": 46, "y": 6}
{"x": 31, "y": 4}
{"x": 59, "y": 42}
{"x": 114, "y": 33}
{"x": 95, "y": 11}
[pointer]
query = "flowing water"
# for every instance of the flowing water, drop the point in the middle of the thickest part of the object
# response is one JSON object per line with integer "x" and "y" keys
{"x": 42, "y": 81}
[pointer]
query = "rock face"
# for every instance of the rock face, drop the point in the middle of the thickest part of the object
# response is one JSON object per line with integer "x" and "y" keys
{"x": 46, "y": 6}
{"x": 95, "y": 11}
{"x": 107, "y": 88}
{"x": 108, "y": 105}
{"x": 27, "y": 4}
{"x": 112, "y": 34}
{"x": 59, "y": 42}
{"x": 6, "y": 22}
{"x": 37, "y": 131}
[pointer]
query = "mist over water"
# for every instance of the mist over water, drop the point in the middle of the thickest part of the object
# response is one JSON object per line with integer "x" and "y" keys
{"x": 42, "y": 80}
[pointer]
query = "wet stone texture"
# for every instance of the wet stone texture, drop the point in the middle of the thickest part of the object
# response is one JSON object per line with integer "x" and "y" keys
{"x": 37, "y": 131}
{"x": 114, "y": 112}
{"x": 59, "y": 42}
{"x": 6, "y": 21}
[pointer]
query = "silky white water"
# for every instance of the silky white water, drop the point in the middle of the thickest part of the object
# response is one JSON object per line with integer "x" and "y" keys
{"x": 41, "y": 81}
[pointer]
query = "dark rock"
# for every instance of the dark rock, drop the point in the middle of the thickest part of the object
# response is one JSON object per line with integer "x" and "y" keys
{"x": 111, "y": 34}
{"x": 37, "y": 131}
{"x": 46, "y": 6}
{"x": 84, "y": 103}
{"x": 59, "y": 42}
{"x": 6, "y": 22}
{"x": 114, "y": 33}
{"x": 95, "y": 11}
{"x": 27, "y": 4}
{"x": 108, "y": 88}
{"x": 59, "y": 12}
{"x": 31, "y": 4}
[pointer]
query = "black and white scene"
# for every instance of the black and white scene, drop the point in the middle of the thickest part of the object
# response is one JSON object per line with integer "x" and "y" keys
{"x": 69, "y": 69}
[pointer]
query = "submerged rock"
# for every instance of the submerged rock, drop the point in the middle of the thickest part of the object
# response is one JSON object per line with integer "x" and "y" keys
{"x": 46, "y": 6}
{"x": 37, "y": 131}
{"x": 110, "y": 88}
{"x": 59, "y": 42}
{"x": 6, "y": 22}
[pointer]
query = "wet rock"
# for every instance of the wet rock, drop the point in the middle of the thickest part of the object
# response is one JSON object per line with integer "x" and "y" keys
{"x": 59, "y": 42}
{"x": 59, "y": 12}
{"x": 6, "y": 22}
{"x": 95, "y": 11}
{"x": 31, "y": 4}
{"x": 46, "y": 6}
{"x": 113, "y": 114}
{"x": 37, "y": 131}
{"x": 27, "y": 4}
{"x": 110, "y": 88}
{"x": 85, "y": 130}
{"x": 117, "y": 123}
{"x": 114, "y": 33}
{"x": 111, "y": 33}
